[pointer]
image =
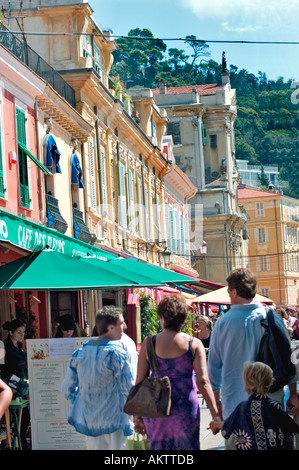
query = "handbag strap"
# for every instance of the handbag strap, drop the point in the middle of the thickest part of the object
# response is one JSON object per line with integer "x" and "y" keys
{"x": 151, "y": 342}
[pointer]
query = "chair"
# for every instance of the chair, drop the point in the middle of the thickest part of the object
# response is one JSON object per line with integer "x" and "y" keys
{"x": 5, "y": 431}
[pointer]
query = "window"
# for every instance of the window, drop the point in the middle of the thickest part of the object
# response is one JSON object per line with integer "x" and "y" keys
{"x": 261, "y": 235}
{"x": 22, "y": 158}
{"x": 259, "y": 209}
{"x": 97, "y": 62}
{"x": 263, "y": 263}
{"x": 154, "y": 131}
{"x": 85, "y": 45}
{"x": 265, "y": 291}
{"x": 213, "y": 141}
{"x": 173, "y": 129}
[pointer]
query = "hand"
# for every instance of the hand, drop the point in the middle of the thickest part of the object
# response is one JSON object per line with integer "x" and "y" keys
{"x": 139, "y": 426}
{"x": 215, "y": 426}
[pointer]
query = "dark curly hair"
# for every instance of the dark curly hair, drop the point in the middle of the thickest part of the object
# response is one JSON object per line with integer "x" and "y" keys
{"x": 174, "y": 310}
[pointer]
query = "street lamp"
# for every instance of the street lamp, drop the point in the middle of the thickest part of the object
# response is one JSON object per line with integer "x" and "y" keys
{"x": 203, "y": 247}
{"x": 166, "y": 255}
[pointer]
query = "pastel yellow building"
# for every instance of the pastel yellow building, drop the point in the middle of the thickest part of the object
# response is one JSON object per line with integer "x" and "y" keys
{"x": 273, "y": 242}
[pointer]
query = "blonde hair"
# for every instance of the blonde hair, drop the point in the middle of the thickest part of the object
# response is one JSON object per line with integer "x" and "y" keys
{"x": 258, "y": 378}
{"x": 207, "y": 321}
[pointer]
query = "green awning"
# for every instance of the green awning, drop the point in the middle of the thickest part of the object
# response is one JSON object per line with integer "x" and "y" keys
{"x": 34, "y": 159}
{"x": 50, "y": 270}
{"x": 35, "y": 237}
{"x": 160, "y": 275}
{"x": 143, "y": 279}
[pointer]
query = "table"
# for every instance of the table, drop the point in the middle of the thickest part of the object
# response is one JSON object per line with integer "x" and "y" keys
{"x": 16, "y": 408}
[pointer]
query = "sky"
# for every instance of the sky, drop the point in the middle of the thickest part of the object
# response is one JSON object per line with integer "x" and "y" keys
{"x": 216, "y": 20}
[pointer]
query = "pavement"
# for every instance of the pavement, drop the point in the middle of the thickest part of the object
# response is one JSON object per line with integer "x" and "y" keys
{"x": 208, "y": 441}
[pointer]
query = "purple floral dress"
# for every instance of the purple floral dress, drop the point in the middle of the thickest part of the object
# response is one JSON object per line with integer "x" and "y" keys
{"x": 179, "y": 431}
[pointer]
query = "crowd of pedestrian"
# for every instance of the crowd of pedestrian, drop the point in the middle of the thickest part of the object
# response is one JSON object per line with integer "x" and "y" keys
{"x": 219, "y": 362}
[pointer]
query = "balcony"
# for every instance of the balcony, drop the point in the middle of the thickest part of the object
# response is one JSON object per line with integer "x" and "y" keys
{"x": 54, "y": 218}
{"x": 81, "y": 232}
{"x": 29, "y": 57}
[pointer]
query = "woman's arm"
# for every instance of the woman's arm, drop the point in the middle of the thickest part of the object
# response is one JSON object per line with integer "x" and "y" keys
{"x": 202, "y": 379}
{"x": 5, "y": 397}
{"x": 142, "y": 373}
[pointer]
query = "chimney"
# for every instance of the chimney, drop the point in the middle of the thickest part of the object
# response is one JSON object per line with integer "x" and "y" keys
{"x": 162, "y": 87}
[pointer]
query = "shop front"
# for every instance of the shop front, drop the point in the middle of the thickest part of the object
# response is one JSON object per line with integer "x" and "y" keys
{"x": 20, "y": 237}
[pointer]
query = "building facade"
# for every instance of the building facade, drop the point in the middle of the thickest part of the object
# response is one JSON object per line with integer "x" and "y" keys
{"x": 201, "y": 123}
{"x": 273, "y": 242}
{"x": 103, "y": 177}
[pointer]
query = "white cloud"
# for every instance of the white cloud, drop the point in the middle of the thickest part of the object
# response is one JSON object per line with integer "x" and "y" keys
{"x": 245, "y": 15}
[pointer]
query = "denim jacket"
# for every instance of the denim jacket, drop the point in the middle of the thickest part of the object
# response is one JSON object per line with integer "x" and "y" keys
{"x": 97, "y": 383}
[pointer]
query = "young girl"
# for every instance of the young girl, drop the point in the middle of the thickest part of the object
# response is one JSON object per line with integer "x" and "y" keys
{"x": 258, "y": 423}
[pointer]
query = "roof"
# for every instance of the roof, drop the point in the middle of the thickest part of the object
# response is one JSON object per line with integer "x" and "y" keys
{"x": 207, "y": 89}
{"x": 244, "y": 193}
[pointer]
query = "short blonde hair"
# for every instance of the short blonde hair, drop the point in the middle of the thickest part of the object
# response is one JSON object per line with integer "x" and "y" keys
{"x": 258, "y": 378}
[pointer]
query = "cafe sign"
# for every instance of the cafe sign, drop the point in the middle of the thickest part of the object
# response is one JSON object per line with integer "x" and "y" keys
{"x": 34, "y": 237}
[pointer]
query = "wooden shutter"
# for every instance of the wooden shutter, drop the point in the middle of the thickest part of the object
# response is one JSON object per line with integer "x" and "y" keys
{"x": 141, "y": 208}
{"x": 92, "y": 176}
{"x": 104, "y": 185}
{"x": 131, "y": 201}
{"x": 122, "y": 196}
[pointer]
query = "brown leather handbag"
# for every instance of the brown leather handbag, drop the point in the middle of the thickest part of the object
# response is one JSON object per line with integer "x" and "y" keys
{"x": 151, "y": 397}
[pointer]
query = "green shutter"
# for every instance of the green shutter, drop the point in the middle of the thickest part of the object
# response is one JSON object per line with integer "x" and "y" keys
{"x": 23, "y": 168}
{"x": 182, "y": 235}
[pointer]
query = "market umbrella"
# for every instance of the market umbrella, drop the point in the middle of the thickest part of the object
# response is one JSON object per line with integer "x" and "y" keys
{"x": 50, "y": 270}
{"x": 220, "y": 296}
{"x": 160, "y": 275}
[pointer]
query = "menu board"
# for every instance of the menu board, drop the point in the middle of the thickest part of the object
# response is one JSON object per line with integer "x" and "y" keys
{"x": 48, "y": 360}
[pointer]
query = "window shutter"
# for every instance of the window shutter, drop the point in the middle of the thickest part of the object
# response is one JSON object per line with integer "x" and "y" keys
{"x": 23, "y": 167}
{"x": 104, "y": 185}
{"x": 186, "y": 237}
{"x": 268, "y": 263}
{"x": 172, "y": 233}
{"x": 182, "y": 235}
{"x": 258, "y": 263}
{"x": 92, "y": 176}
{"x": 167, "y": 223}
{"x": 141, "y": 208}
{"x": 147, "y": 213}
{"x": 21, "y": 126}
{"x": 122, "y": 196}
{"x": 131, "y": 201}
{"x": 158, "y": 218}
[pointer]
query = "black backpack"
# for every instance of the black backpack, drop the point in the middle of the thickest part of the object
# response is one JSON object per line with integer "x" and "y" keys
{"x": 275, "y": 350}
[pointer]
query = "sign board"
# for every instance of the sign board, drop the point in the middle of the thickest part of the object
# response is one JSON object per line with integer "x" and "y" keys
{"x": 48, "y": 360}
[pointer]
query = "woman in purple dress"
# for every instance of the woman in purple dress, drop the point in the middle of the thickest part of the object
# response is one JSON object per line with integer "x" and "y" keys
{"x": 182, "y": 358}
